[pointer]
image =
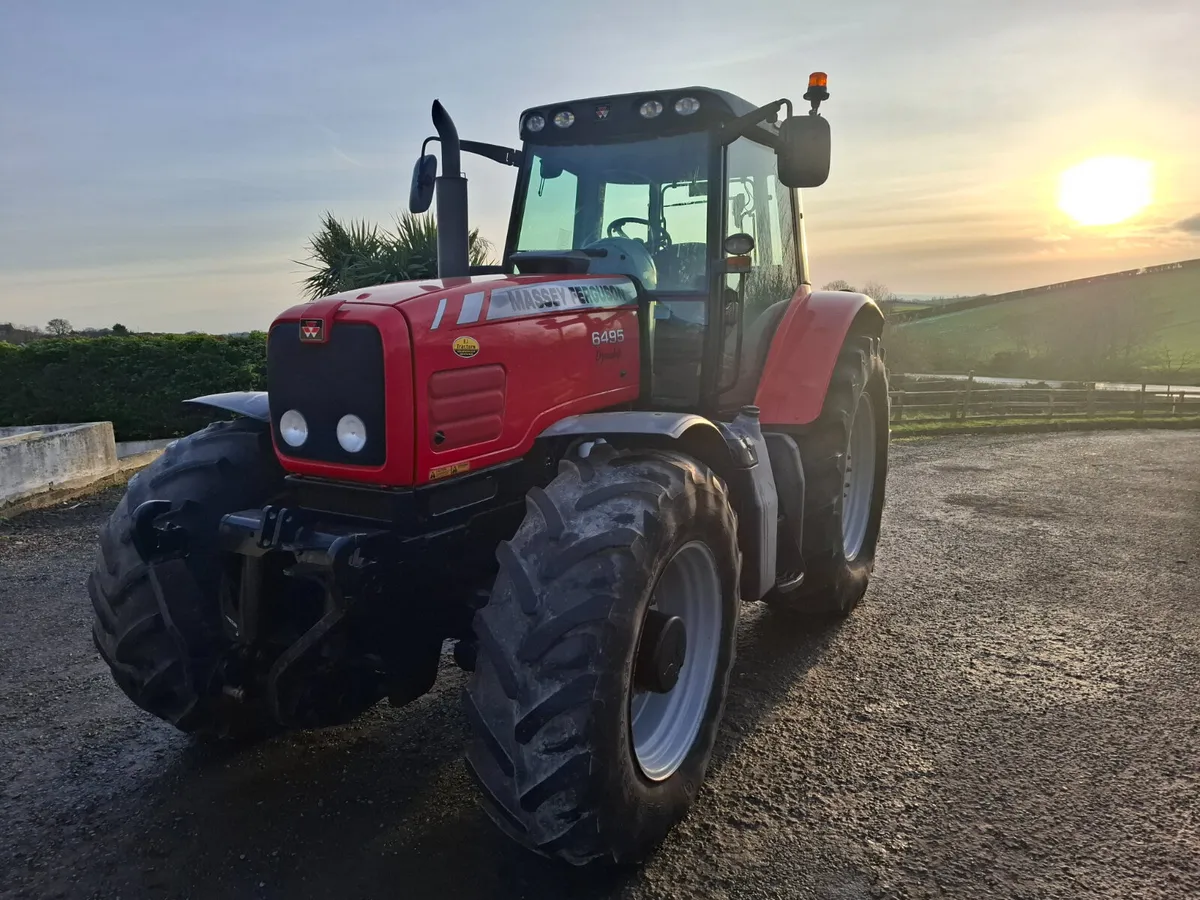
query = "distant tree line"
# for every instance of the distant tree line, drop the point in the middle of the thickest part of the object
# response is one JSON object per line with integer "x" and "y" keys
{"x": 11, "y": 333}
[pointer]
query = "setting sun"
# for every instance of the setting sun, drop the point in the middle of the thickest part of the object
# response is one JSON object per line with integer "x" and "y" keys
{"x": 1106, "y": 190}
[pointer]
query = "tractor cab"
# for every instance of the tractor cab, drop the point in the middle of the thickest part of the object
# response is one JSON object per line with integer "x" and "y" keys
{"x": 692, "y": 193}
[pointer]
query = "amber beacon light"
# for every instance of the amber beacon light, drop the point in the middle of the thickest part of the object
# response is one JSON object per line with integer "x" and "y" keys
{"x": 818, "y": 84}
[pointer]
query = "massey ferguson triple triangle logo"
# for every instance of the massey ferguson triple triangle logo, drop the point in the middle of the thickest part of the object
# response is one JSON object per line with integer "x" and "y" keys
{"x": 312, "y": 330}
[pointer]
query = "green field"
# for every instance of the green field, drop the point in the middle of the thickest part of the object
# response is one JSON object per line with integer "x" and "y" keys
{"x": 902, "y": 307}
{"x": 1138, "y": 317}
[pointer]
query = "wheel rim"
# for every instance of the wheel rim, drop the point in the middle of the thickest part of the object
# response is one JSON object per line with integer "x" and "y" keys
{"x": 859, "y": 485}
{"x": 664, "y": 726}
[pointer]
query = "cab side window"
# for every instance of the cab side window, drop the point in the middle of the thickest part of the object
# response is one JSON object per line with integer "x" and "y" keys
{"x": 762, "y": 207}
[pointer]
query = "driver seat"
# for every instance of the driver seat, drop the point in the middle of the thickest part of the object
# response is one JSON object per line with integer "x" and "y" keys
{"x": 679, "y": 265}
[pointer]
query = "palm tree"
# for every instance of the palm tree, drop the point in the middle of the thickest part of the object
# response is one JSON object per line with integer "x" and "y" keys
{"x": 360, "y": 255}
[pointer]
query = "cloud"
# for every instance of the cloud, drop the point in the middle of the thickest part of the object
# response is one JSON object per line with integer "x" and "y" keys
{"x": 1191, "y": 224}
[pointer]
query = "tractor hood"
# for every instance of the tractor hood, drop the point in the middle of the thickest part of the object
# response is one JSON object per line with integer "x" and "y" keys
{"x": 448, "y": 376}
{"x": 402, "y": 291}
{"x": 435, "y": 303}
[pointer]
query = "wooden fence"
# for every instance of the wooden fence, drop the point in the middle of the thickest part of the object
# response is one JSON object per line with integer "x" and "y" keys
{"x": 960, "y": 400}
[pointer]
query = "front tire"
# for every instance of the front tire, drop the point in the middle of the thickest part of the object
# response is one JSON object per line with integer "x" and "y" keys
{"x": 845, "y": 458}
{"x": 157, "y": 622}
{"x": 572, "y": 758}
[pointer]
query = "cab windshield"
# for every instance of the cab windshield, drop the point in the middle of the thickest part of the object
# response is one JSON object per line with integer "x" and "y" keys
{"x": 654, "y": 192}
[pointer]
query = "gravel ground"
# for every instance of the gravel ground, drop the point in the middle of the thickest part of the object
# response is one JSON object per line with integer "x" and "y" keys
{"x": 1013, "y": 712}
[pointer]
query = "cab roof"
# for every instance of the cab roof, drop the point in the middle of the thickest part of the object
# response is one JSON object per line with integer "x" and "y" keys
{"x": 617, "y": 117}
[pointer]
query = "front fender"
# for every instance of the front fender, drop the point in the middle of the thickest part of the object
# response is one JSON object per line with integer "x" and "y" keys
{"x": 251, "y": 404}
{"x": 804, "y": 351}
{"x": 668, "y": 424}
{"x": 729, "y": 451}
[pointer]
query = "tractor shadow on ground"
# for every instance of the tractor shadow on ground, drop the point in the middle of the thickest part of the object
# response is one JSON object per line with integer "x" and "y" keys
{"x": 383, "y": 807}
{"x": 774, "y": 652}
{"x": 379, "y": 808}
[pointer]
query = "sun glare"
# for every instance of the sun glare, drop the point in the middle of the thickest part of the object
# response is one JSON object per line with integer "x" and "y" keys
{"x": 1106, "y": 190}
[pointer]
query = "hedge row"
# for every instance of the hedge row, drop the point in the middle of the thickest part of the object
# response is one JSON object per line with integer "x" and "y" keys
{"x": 137, "y": 383}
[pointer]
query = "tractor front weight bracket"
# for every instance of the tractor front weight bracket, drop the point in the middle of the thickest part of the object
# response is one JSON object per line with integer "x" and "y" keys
{"x": 348, "y": 566}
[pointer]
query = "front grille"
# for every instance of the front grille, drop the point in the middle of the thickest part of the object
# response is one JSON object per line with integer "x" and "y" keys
{"x": 325, "y": 382}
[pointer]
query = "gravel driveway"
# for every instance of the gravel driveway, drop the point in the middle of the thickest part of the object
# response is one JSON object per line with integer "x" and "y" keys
{"x": 1013, "y": 712}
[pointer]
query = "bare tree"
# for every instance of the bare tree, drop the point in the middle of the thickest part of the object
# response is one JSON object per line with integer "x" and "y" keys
{"x": 839, "y": 285}
{"x": 878, "y": 291}
{"x": 1170, "y": 364}
{"x": 59, "y": 327}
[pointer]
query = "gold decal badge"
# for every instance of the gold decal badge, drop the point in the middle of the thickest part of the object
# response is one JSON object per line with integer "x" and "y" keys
{"x": 466, "y": 347}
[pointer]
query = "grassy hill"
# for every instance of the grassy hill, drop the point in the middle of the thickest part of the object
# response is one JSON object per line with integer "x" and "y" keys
{"x": 1123, "y": 325}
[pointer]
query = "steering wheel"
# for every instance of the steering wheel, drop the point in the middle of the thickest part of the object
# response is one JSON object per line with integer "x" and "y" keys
{"x": 616, "y": 228}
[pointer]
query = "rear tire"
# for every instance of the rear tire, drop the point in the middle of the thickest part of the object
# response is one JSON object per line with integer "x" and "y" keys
{"x": 842, "y": 508}
{"x": 552, "y": 699}
{"x": 157, "y": 622}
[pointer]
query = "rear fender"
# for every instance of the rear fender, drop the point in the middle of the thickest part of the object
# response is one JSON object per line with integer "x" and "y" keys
{"x": 805, "y": 349}
{"x": 251, "y": 404}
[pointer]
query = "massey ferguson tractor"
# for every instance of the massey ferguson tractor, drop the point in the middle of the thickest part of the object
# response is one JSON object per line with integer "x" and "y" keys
{"x": 574, "y": 466}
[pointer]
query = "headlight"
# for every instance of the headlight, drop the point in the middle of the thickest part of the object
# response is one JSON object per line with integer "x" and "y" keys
{"x": 351, "y": 433}
{"x": 293, "y": 428}
{"x": 650, "y": 109}
{"x": 535, "y": 122}
{"x": 685, "y": 106}
{"x": 564, "y": 119}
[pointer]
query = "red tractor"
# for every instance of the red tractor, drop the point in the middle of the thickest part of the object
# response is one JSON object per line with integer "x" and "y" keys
{"x": 575, "y": 466}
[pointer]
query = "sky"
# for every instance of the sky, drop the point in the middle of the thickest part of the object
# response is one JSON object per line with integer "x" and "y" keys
{"x": 162, "y": 165}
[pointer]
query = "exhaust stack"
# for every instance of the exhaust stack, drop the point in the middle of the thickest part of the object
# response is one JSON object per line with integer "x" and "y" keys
{"x": 453, "y": 260}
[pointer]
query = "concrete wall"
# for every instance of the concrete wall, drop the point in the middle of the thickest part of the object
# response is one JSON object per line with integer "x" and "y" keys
{"x": 139, "y": 448}
{"x": 40, "y": 459}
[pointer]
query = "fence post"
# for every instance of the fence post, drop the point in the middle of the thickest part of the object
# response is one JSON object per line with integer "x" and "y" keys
{"x": 1091, "y": 399}
{"x": 898, "y": 406}
{"x": 966, "y": 410}
{"x": 1140, "y": 409}
{"x": 1050, "y": 404}
{"x": 1175, "y": 407}
{"x": 955, "y": 405}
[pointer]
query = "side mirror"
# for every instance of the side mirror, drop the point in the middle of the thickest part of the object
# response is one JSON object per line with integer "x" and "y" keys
{"x": 549, "y": 170}
{"x": 803, "y": 151}
{"x": 420, "y": 195}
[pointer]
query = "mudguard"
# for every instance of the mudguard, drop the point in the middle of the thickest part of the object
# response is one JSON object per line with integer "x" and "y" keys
{"x": 736, "y": 450}
{"x": 804, "y": 351}
{"x": 670, "y": 424}
{"x": 251, "y": 404}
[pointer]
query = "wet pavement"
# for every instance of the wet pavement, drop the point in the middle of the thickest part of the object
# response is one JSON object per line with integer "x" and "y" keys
{"x": 1014, "y": 711}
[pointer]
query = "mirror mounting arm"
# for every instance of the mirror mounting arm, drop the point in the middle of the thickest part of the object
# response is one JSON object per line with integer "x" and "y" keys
{"x": 506, "y": 156}
{"x": 743, "y": 125}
